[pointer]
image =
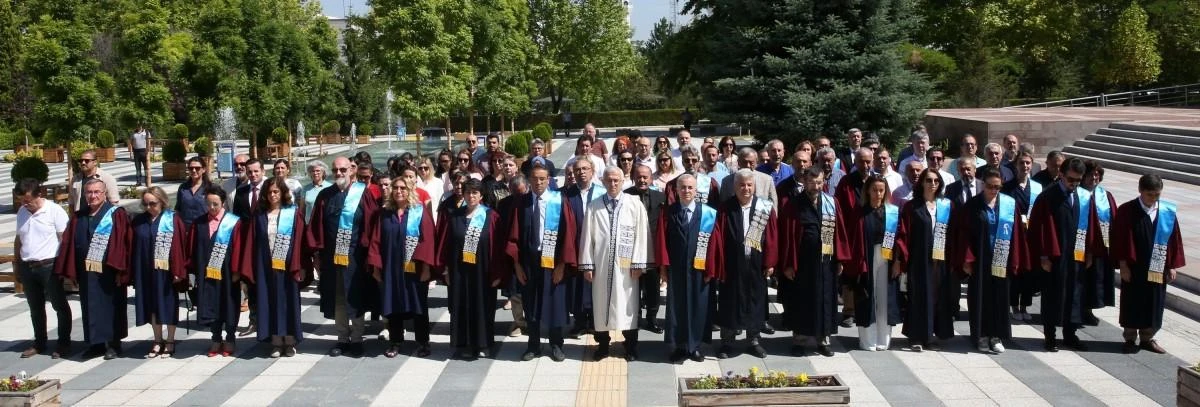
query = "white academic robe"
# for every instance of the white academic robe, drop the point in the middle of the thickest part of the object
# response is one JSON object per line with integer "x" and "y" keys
{"x": 611, "y": 252}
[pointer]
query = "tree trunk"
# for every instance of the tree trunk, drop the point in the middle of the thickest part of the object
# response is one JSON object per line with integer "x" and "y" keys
{"x": 471, "y": 120}
{"x": 449, "y": 135}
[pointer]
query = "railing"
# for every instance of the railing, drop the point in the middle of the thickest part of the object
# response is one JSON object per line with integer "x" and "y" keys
{"x": 1179, "y": 95}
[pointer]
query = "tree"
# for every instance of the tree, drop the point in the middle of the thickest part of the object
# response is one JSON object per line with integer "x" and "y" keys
{"x": 70, "y": 90}
{"x": 361, "y": 86}
{"x": 143, "y": 97}
{"x": 500, "y": 52}
{"x": 14, "y": 89}
{"x": 1177, "y": 24}
{"x": 1132, "y": 54}
{"x": 583, "y": 49}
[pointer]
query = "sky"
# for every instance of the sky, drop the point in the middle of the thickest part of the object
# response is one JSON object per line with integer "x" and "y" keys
{"x": 645, "y": 13}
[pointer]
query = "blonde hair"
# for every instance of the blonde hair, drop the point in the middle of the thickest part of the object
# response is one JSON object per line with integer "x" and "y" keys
{"x": 413, "y": 200}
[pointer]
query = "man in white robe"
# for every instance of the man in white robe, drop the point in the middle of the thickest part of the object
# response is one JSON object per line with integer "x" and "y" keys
{"x": 612, "y": 257}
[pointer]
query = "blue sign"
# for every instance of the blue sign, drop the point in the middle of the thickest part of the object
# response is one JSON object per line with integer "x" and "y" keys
{"x": 225, "y": 152}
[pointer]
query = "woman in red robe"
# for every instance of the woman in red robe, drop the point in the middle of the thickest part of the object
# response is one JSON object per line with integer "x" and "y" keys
{"x": 1140, "y": 234}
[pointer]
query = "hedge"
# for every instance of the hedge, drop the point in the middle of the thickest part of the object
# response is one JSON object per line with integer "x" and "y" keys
{"x": 518, "y": 144}
{"x": 619, "y": 118}
{"x": 178, "y": 132}
{"x": 279, "y": 135}
{"x": 105, "y": 139}
{"x": 6, "y": 140}
{"x": 174, "y": 151}
{"x": 543, "y": 132}
{"x": 203, "y": 147}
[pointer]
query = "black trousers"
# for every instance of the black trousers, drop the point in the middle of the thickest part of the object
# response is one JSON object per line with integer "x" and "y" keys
{"x": 650, "y": 295}
{"x": 534, "y": 331}
{"x": 421, "y": 326}
{"x": 631, "y": 338}
{"x": 42, "y": 285}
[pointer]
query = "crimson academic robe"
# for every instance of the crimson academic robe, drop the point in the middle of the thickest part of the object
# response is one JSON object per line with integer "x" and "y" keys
{"x": 278, "y": 291}
{"x": 676, "y": 243}
{"x": 1132, "y": 241}
{"x": 932, "y": 297}
{"x": 359, "y": 288}
{"x": 811, "y": 297}
{"x": 402, "y": 294}
{"x": 1100, "y": 288}
{"x": 219, "y": 301}
{"x": 714, "y": 192}
{"x": 971, "y": 226}
{"x": 102, "y": 296}
{"x": 860, "y": 230}
{"x": 742, "y": 295}
{"x": 155, "y": 288}
{"x": 472, "y": 299}
{"x": 545, "y": 302}
{"x": 1052, "y": 228}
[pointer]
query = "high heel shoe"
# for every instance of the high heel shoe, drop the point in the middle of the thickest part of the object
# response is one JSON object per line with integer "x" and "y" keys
{"x": 155, "y": 350}
{"x": 168, "y": 350}
{"x": 214, "y": 350}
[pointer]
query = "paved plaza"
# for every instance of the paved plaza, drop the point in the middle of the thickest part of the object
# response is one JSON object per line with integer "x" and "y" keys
{"x": 957, "y": 375}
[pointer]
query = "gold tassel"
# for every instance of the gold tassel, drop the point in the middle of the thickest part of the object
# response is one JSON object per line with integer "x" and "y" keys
{"x": 212, "y": 273}
{"x": 161, "y": 264}
{"x": 277, "y": 264}
{"x": 468, "y": 258}
{"x": 93, "y": 266}
{"x": 1155, "y": 277}
{"x": 887, "y": 253}
{"x": 547, "y": 262}
{"x": 341, "y": 260}
{"x": 410, "y": 267}
{"x": 999, "y": 272}
{"x": 699, "y": 264}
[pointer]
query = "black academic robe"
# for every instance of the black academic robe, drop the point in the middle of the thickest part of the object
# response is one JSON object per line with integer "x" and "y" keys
{"x": 653, "y": 201}
{"x": 219, "y": 301}
{"x": 742, "y": 294}
{"x": 402, "y": 294}
{"x": 1023, "y": 284}
{"x": 360, "y": 289}
{"x": 277, "y": 291}
{"x": 855, "y": 248}
{"x": 1100, "y": 286}
{"x": 676, "y": 242}
{"x": 932, "y": 298}
{"x": 811, "y": 297}
{"x": 579, "y": 290}
{"x": 544, "y": 302}
{"x": 987, "y": 295}
{"x": 102, "y": 296}
{"x": 472, "y": 298}
{"x": 156, "y": 295}
{"x": 1052, "y": 226}
{"x": 1132, "y": 241}
{"x": 787, "y": 190}
{"x": 1043, "y": 177}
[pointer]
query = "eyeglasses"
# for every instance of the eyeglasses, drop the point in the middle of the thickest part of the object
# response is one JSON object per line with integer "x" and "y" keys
{"x": 151, "y": 204}
{"x": 937, "y": 158}
{"x": 931, "y": 180}
{"x": 190, "y": 168}
{"x": 992, "y": 187}
{"x": 341, "y": 169}
{"x": 663, "y": 160}
{"x": 691, "y": 160}
{"x": 423, "y": 168}
{"x": 241, "y": 164}
{"x": 86, "y": 160}
{"x": 463, "y": 160}
{"x": 626, "y": 158}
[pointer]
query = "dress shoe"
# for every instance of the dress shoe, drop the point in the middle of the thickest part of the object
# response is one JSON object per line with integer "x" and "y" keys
{"x": 289, "y": 351}
{"x": 339, "y": 349}
{"x": 724, "y": 352}
{"x": 422, "y": 350}
{"x": 768, "y": 329}
{"x": 1076, "y": 344}
{"x": 61, "y": 352}
{"x": 515, "y": 331}
{"x": 276, "y": 352}
{"x": 824, "y": 350}
{"x": 556, "y": 353}
{"x": 110, "y": 353}
{"x": 531, "y": 355}
{"x": 631, "y": 355}
{"x": 798, "y": 350}
{"x": 696, "y": 356}
{"x": 1152, "y": 345}
{"x": 249, "y": 329}
{"x": 601, "y": 352}
{"x": 847, "y": 322}
{"x": 1050, "y": 345}
{"x": 757, "y": 350}
{"x": 355, "y": 350}
{"x": 653, "y": 327}
{"x": 31, "y": 352}
{"x": 679, "y": 355}
{"x": 1130, "y": 347}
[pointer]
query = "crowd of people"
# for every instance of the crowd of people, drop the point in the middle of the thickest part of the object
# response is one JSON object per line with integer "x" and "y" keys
{"x": 717, "y": 225}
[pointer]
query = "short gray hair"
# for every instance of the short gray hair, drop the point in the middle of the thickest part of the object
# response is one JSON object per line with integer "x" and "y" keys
{"x": 679, "y": 180}
{"x": 688, "y": 149}
{"x": 613, "y": 169}
{"x": 918, "y": 135}
{"x": 774, "y": 142}
{"x": 990, "y": 146}
{"x": 826, "y": 150}
{"x": 1025, "y": 148}
{"x": 318, "y": 164}
{"x": 748, "y": 151}
{"x": 743, "y": 174}
{"x": 517, "y": 181}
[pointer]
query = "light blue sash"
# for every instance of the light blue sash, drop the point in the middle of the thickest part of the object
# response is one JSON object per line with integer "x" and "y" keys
{"x": 412, "y": 235}
{"x": 708, "y": 219}
{"x": 283, "y": 238}
{"x": 1035, "y": 189}
{"x": 1163, "y": 230}
{"x": 162, "y": 240}
{"x": 341, "y": 251}
{"x": 550, "y": 229}
{"x": 828, "y": 224}
{"x": 703, "y": 188}
{"x": 940, "y": 224}
{"x": 1103, "y": 212}
{"x": 474, "y": 231}
{"x": 221, "y": 240}
{"x": 1085, "y": 198}
{"x": 1006, "y": 214}
{"x": 94, "y": 262}
{"x": 891, "y": 220}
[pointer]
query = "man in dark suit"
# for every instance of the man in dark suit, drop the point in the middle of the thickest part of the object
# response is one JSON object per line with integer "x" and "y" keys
{"x": 848, "y": 154}
{"x": 245, "y": 204}
{"x": 653, "y": 201}
{"x": 578, "y": 195}
{"x": 994, "y": 154}
{"x": 966, "y": 186}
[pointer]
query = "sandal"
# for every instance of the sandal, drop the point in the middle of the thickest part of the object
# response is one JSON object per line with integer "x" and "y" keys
{"x": 392, "y": 351}
{"x": 214, "y": 350}
{"x": 168, "y": 350}
{"x": 155, "y": 350}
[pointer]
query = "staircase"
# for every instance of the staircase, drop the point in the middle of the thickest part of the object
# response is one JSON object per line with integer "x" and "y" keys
{"x": 1171, "y": 152}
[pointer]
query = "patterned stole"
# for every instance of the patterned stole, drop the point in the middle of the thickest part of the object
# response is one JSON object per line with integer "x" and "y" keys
{"x": 1085, "y": 198}
{"x": 703, "y": 188}
{"x": 1103, "y": 212}
{"x": 828, "y": 224}
{"x": 708, "y": 219}
{"x": 412, "y": 235}
{"x": 94, "y": 262}
{"x": 550, "y": 229}
{"x": 623, "y": 236}
{"x": 891, "y": 220}
{"x": 760, "y": 212}
{"x": 341, "y": 248}
{"x": 940, "y": 223}
{"x": 475, "y": 223}
{"x": 1006, "y": 210}
{"x": 283, "y": 238}
{"x": 162, "y": 240}
{"x": 221, "y": 240}
{"x": 1164, "y": 228}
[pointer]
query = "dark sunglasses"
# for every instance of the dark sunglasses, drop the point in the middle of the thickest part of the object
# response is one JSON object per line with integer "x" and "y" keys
{"x": 86, "y": 160}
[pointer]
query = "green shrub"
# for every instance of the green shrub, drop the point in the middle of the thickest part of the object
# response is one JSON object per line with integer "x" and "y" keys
{"x": 6, "y": 140}
{"x": 105, "y": 139}
{"x": 51, "y": 139}
{"x": 78, "y": 147}
{"x": 174, "y": 151}
{"x": 331, "y": 127}
{"x": 543, "y": 132}
{"x": 203, "y": 146}
{"x": 279, "y": 135}
{"x": 366, "y": 130}
{"x": 21, "y": 136}
{"x": 30, "y": 167}
{"x": 178, "y": 132}
{"x": 518, "y": 144}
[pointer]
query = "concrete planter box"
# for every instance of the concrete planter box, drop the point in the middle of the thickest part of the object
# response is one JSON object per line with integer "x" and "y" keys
{"x": 836, "y": 394}
{"x": 44, "y": 395}
{"x": 1187, "y": 392}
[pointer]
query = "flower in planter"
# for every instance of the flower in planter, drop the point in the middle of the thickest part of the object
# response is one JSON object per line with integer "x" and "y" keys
{"x": 19, "y": 383}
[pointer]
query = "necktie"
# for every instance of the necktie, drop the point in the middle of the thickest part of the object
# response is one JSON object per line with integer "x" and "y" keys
{"x": 687, "y": 216}
{"x": 609, "y": 203}
{"x": 970, "y": 190}
{"x": 253, "y": 196}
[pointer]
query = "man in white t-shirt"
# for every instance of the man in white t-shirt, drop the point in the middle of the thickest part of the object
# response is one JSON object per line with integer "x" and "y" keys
{"x": 40, "y": 225}
{"x": 139, "y": 144}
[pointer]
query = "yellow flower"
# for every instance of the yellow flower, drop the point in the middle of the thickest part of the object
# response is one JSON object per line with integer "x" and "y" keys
{"x": 754, "y": 371}
{"x": 803, "y": 378}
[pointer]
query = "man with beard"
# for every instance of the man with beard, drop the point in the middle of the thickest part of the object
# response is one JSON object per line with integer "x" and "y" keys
{"x": 239, "y": 178}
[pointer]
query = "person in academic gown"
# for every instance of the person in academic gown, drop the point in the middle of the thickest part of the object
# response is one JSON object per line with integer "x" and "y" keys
{"x": 518, "y": 186}
{"x": 744, "y": 251}
{"x": 1024, "y": 190}
{"x": 337, "y": 240}
{"x": 579, "y": 290}
{"x": 863, "y": 249}
{"x": 684, "y": 265}
{"x": 1064, "y": 251}
{"x": 400, "y": 256}
{"x": 612, "y": 256}
{"x": 705, "y": 195}
{"x": 847, "y": 194}
{"x": 95, "y": 255}
{"x": 158, "y": 267}
{"x": 653, "y": 200}
{"x": 923, "y": 235}
{"x": 541, "y": 242}
{"x": 806, "y": 243}
{"x": 1100, "y": 286}
{"x": 980, "y": 226}
{"x": 469, "y": 250}
{"x": 219, "y": 296}
{"x": 1144, "y": 229}
{"x": 791, "y": 188}
{"x": 278, "y": 267}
